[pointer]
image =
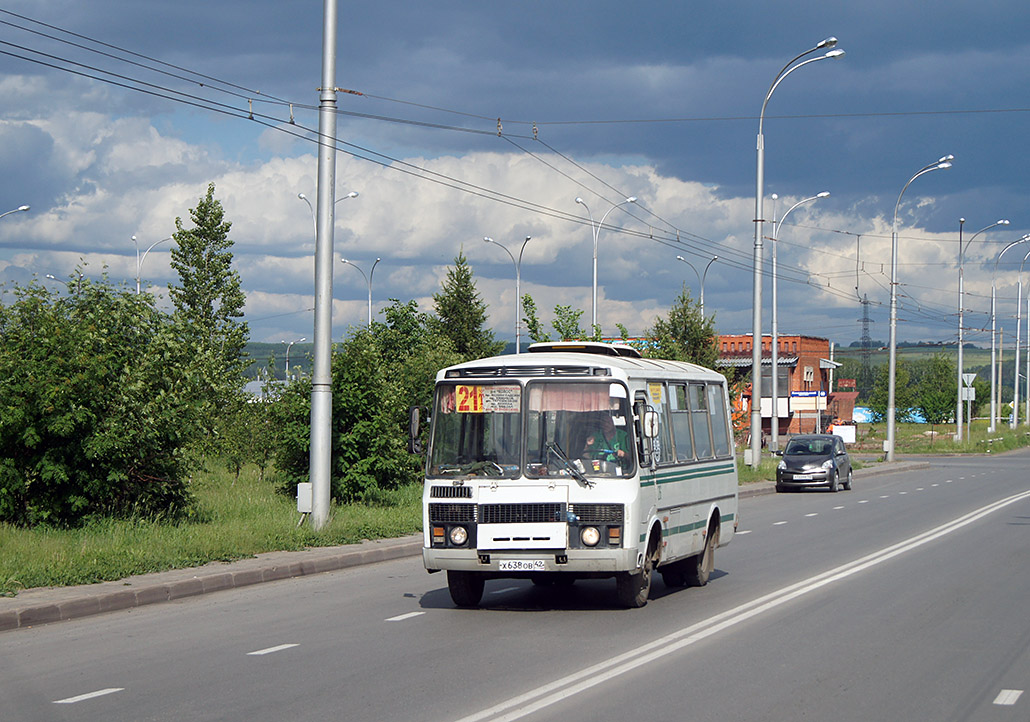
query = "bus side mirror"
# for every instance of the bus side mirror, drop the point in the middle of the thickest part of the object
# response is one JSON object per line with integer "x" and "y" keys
{"x": 650, "y": 424}
{"x": 414, "y": 438}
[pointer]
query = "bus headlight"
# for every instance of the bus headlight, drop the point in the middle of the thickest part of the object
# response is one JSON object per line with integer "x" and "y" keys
{"x": 459, "y": 535}
{"x": 590, "y": 536}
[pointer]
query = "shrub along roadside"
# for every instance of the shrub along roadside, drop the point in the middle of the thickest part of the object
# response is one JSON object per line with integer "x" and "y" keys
{"x": 232, "y": 521}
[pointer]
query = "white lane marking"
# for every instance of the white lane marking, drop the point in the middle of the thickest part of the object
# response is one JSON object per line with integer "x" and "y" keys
{"x": 949, "y": 480}
{"x": 90, "y": 695}
{"x": 1008, "y": 697}
{"x": 885, "y": 496}
{"x": 270, "y": 650}
{"x": 506, "y": 589}
{"x": 902, "y": 493}
{"x": 745, "y": 531}
{"x": 402, "y": 617}
{"x": 934, "y": 484}
{"x": 864, "y": 501}
{"x": 562, "y": 689}
{"x": 838, "y": 507}
{"x": 779, "y": 523}
{"x": 813, "y": 514}
{"x": 919, "y": 488}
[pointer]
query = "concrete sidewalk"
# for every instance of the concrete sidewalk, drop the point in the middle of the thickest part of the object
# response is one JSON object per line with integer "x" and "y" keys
{"x": 52, "y": 604}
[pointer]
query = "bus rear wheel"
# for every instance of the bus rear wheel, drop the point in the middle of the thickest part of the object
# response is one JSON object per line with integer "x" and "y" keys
{"x": 466, "y": 588}
{"x": 698, "y": 568}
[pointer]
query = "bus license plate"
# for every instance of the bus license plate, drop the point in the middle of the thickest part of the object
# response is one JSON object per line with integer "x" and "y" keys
{"x": 522, "y": 565}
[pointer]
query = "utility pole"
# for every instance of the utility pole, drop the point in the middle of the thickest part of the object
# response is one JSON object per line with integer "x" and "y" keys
{"x": 320, "y": 470}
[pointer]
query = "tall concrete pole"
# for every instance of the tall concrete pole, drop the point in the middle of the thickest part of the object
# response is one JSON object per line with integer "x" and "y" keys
{"x": 321, "y": 378}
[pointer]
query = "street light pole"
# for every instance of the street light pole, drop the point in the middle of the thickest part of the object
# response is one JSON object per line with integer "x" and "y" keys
{"x": 288, "y": 346}
{"x": 14, "y": 210}
{"x": 700, "y": 278}
{"x": 368, "y": 281}
{"x": 941, "y": 164}
{"x": 139, "y": 261}
{"x": 756, "y": 321}
{"x": 774, "y": 423}
{"x": 596, "y": 228}
{"x": 518, "y": 283}
{"x": 995, "y": 381}
{"x": 961, "y": 256}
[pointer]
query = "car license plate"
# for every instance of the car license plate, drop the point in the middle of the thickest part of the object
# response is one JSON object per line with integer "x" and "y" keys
{"x": 522, "y": 565}
{"x": 802, "y": 477}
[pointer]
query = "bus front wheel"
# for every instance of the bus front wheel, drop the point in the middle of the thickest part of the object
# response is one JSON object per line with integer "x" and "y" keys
{"x": 632, "y": 588}
{"x": 466, "y": 588}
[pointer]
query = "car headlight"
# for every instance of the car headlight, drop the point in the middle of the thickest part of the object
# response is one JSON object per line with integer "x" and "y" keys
{"x": 782, "y": 464}
{"x": 459, "y": 535}
{"x": 828, "y": 464}
{"x": 589, "y": 535}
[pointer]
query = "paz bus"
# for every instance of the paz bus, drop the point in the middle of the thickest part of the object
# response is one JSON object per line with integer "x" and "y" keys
{"x": 577, "y": 461}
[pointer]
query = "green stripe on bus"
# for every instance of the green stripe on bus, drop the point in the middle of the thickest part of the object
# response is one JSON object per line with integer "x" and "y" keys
{"x": 686, "y": 528}
{"x": 670, "y": 477}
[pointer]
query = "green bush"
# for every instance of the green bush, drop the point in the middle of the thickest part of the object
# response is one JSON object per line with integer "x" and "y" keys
{"x": 100, "y": 406}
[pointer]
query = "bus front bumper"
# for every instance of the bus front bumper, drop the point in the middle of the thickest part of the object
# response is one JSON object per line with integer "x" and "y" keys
{"x": 520, "y": 563}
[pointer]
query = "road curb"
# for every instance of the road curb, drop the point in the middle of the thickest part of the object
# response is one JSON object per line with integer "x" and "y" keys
{"x": 55, "y": 604}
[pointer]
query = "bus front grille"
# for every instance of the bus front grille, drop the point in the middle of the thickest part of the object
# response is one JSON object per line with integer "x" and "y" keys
{"x": 521, "y": 513}
{"x": 597, "y": 513}
{"x": 452, "y": 513}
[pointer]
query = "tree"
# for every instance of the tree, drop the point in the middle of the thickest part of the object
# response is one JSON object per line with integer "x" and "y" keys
{"x": 462, "y": 313}
{"x": 209, "y": 300}
{"x": 685, "y": 334}
{"x": 534, "y": 328}
{"x": 937, "y": 392}
{"x": 566, "y": 323}
{"x": 904, "y": 393}
{"x": 100, "y": 407}
{"x": 378, "y": 374}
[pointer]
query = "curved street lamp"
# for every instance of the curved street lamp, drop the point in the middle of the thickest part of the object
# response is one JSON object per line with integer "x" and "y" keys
{"x": 288, "y": 346}
{"x": 940, "y": 164}
{"x": 352, "y": 194}
{"x": 368, "y": 280}
{"x": 700, "y": 278}
{"x": 139, "y": 260}
{"x": 14, "y": 210}
{"x": 995, "y": 381}
{"x": 961, "y": 253}
{"x": 596, "y": 228}
{"x": 756, "y": 325}
{"x": 774, "y": 421}
{"x": 518, "y": 284}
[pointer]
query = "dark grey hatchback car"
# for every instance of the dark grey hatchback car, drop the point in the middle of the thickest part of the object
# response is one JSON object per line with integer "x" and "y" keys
{"x": 814, "y": 460}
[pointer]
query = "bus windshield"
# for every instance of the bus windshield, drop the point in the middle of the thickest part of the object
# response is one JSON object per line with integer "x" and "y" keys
{"x": 478, "y": 430}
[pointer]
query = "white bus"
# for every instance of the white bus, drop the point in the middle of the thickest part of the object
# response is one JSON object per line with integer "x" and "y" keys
{"x": 577, "y": 460}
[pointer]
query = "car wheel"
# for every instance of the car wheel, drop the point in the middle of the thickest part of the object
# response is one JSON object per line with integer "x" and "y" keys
{"x": 833, "y": 483}
{"x": 780, "y": 488}
{"x": 466, "y": 588}
{"x": 847, "y": 484}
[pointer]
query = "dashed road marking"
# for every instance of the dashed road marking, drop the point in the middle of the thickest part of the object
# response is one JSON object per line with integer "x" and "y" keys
{"x": 779, "y": 523}
{"x": 885, "y": 496}
{"x": 902, "y": 493}
{"x": 838, "y": 507}
{"x": 864, "y": 501}
{"x": 270, "y": 650}
{"x": 402, "y": 617}
{"x": 919, "y": 488}
{"x": 745, "y": 531}
{"x": 815, "y": 513}
{"x": 89, "y": 695}
{"x": 1008, "y": 697}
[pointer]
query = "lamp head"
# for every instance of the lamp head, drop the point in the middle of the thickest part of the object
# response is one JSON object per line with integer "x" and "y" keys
{"x": 579, "y": 200}
{"x": 1003, "y": 222}
{"x": 352, "y": 194}
{"x": 824, "y": 194}
{"x": 836, "y": 53}
{"x": 23, "y": 208}
{"x": 680, "y": 258}
{"x": 302, "y": 196}
{"x": 944, "y": 166}
{"x": 827, "y": 43}
{"x": 631, "y": 199}
{"x": 344, "y": 260}
{"x": 774, "y": 197}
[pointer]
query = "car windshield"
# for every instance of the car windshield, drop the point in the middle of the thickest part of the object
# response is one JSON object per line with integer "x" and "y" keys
{"x": 808, "y": 447}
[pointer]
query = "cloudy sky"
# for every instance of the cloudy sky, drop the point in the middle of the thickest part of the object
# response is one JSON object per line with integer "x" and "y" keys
{"x": 116, "y": 114}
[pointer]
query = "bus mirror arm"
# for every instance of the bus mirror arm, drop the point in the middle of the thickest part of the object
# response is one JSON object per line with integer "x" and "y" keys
{"x": 576, "y": 473}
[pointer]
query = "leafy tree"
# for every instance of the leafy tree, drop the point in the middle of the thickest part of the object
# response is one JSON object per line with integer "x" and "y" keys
{"x": 685, "y": 335}
{"x": 904, "y": 392}
{"x": 100, "y": 408}
{"x": 534, "y": 328}
{"x": 937, "y": 392}
{"x": 462, "y": 313}
{"x": 209, "y": 300}
{"x": 566, "y": 323}
{"x": 378, "y": 374}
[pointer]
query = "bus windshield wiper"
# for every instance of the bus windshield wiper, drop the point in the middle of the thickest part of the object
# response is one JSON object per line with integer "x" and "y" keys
{"x": 569, "y": 466}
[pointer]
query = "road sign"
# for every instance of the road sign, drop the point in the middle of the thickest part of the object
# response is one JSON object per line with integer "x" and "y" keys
{"x": 967, "y": 379}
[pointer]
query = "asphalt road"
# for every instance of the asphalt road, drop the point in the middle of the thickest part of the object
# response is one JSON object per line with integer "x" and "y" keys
{"x": 903, "y": 599}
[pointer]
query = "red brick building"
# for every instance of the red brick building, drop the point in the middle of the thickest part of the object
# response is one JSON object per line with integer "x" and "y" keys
{"x": 807, "y": 402}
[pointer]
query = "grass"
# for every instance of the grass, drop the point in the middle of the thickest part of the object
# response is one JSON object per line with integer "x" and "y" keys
{"x": 234, "y": 521}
